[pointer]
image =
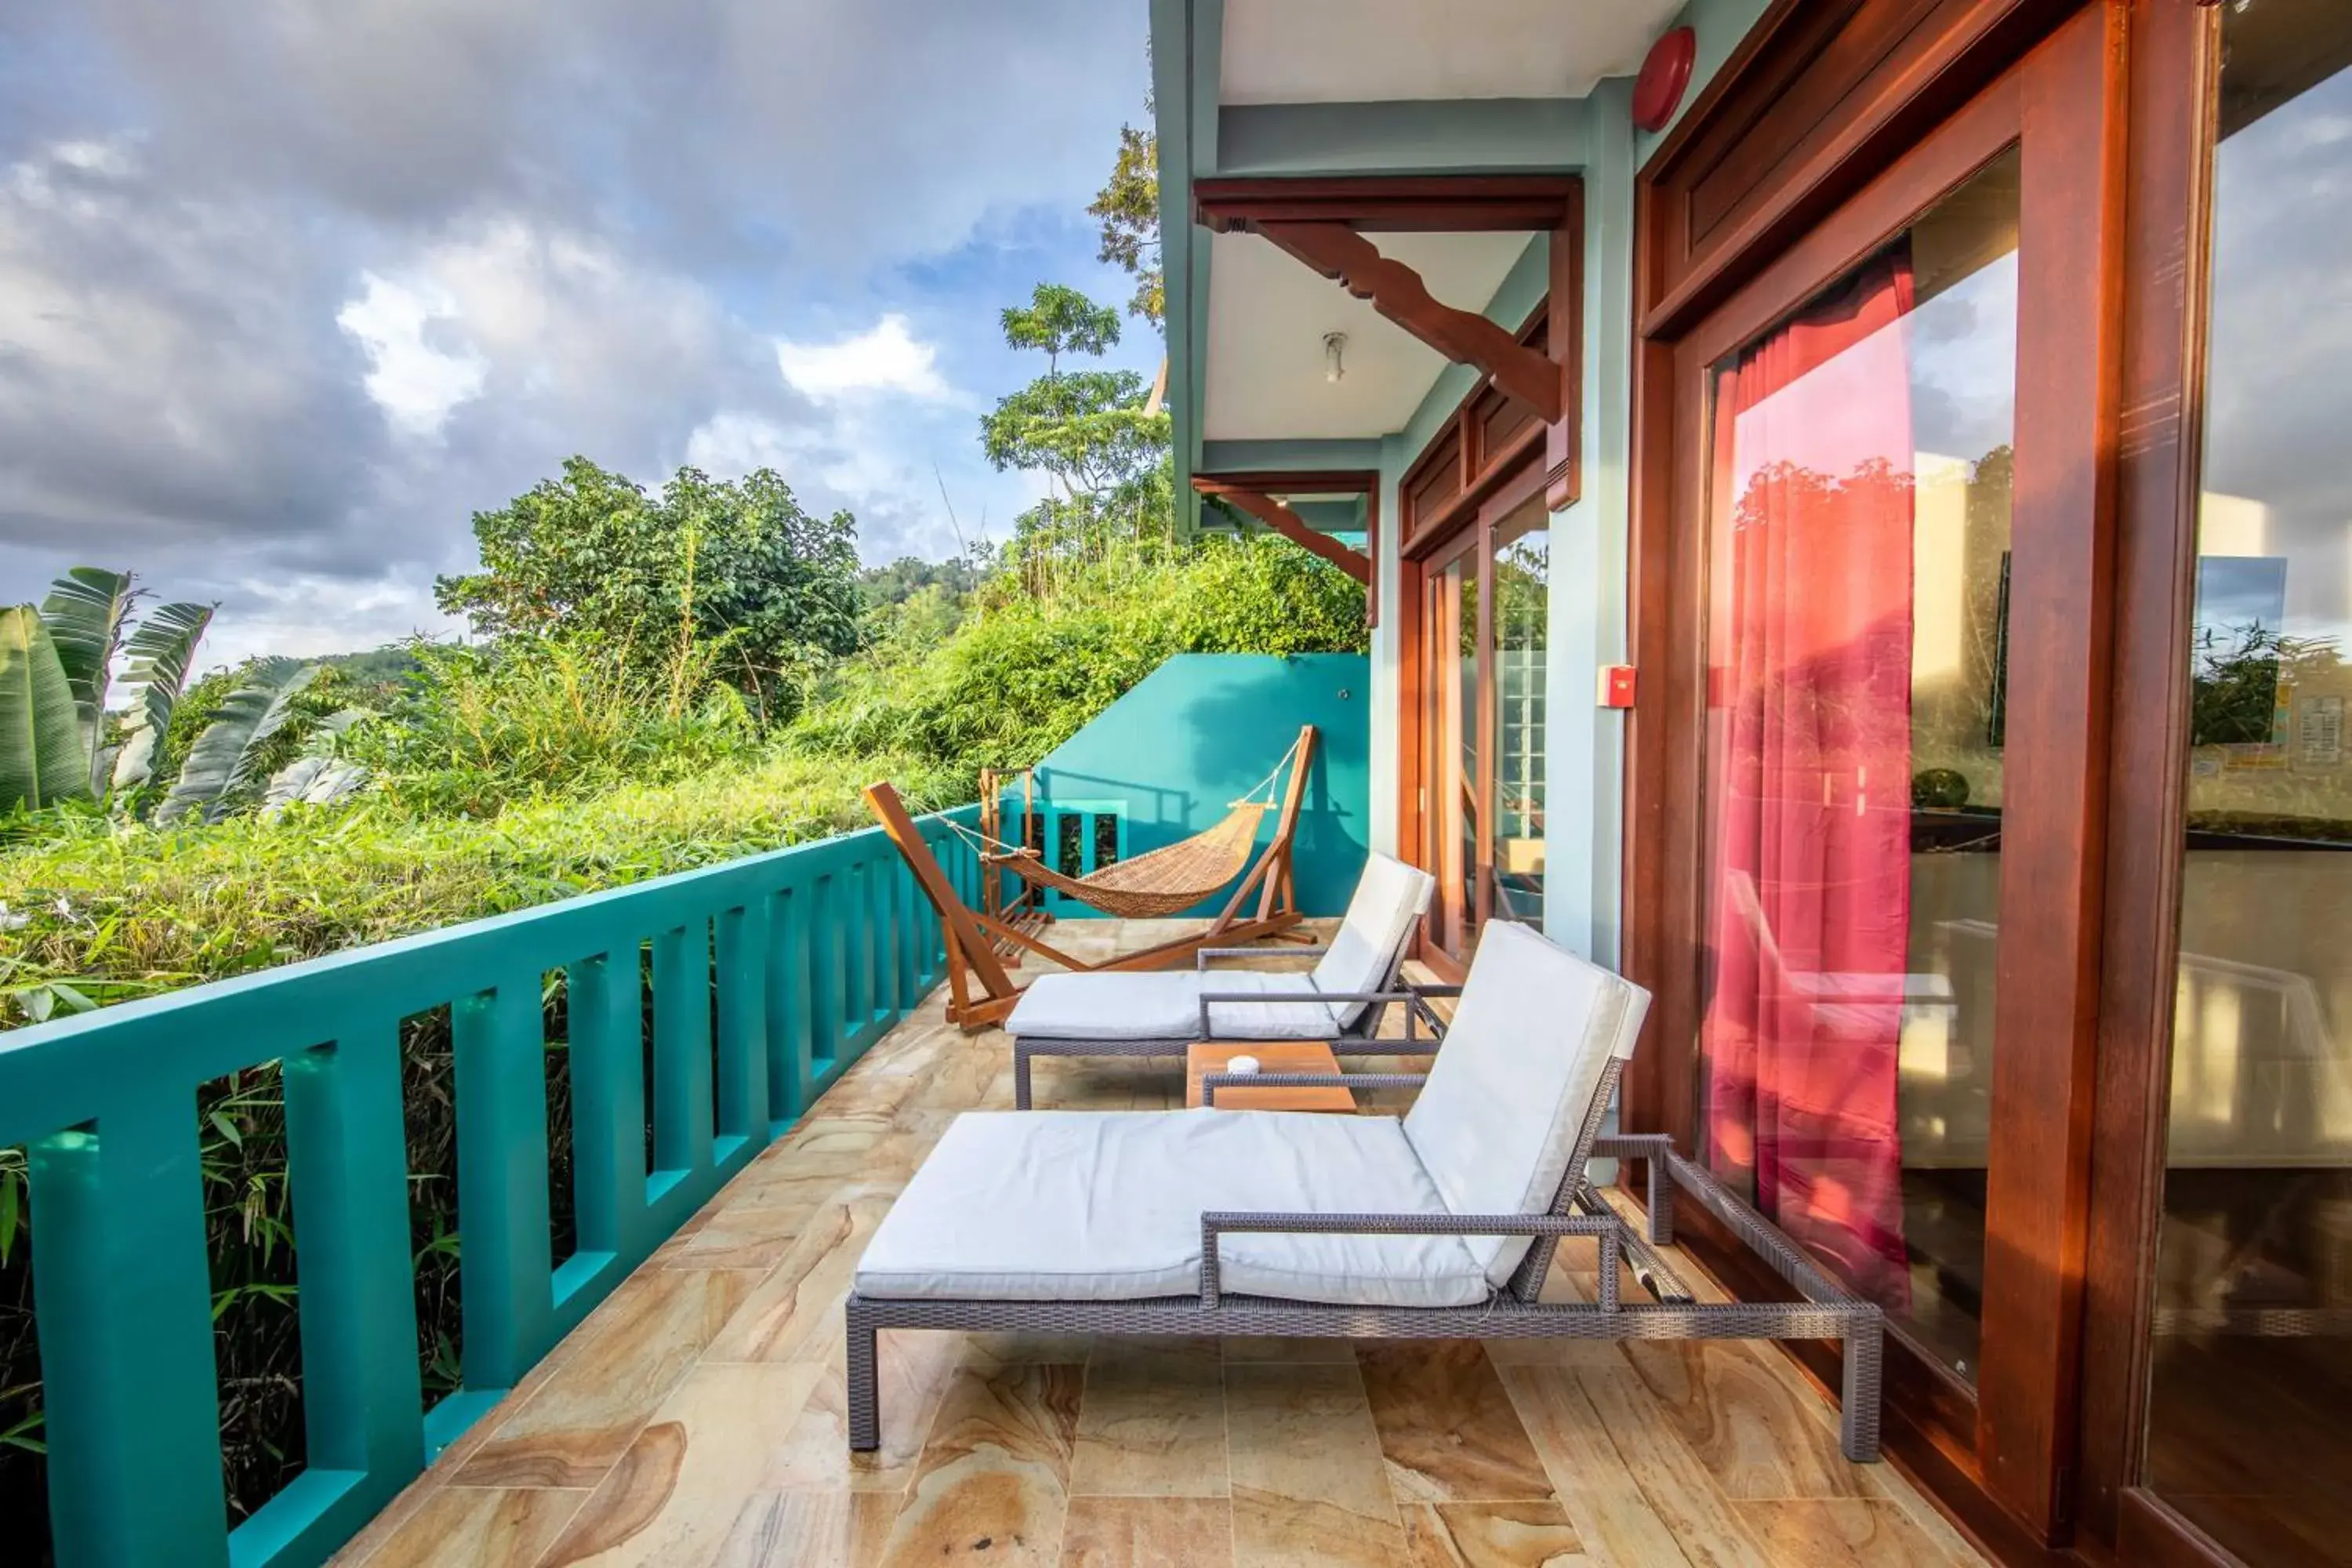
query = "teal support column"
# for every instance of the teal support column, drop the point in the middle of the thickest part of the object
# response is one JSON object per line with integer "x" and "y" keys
{"x": 682, "y": 1048}
{"x": 363, "y": 1401}
{"x": 787, "y": 958}
{"x": 608, "y": 1100}
{"x": 505, "y": 1257}
{"x": 824, "y": 937}
{"x": 123, "y": 1297}
{"x": 742, "y": 979}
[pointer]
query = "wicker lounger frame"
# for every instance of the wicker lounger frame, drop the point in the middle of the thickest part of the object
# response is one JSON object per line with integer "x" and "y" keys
{"x": 1354, "y": 1040}
{"x": 1824, "y": 1313}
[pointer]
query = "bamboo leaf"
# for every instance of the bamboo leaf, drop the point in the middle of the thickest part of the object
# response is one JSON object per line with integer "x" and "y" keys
{"x": 84, "y": 612}
{"x": 228, "y": 1128}
{"x": 42, "y": 759}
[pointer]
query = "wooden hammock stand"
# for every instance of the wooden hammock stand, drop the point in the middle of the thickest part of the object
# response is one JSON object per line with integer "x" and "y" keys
{"x": 975, "y": 938}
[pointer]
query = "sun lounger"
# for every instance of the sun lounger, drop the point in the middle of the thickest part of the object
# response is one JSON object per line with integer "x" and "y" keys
{"x": 1438, "y": 1226}
{"x": 1159, "y": 1014}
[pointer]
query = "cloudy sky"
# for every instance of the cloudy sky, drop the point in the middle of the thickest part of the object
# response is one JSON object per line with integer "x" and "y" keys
{"x": 289, "y": 289}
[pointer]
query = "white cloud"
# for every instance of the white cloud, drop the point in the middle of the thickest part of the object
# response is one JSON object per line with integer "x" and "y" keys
{"x": 887, "y": 358}
{"x": 306, "y": 616}
{"x": 414, "y": 381}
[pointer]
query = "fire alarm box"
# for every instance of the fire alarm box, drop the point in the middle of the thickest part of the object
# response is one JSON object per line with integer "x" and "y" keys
{"x": 1616, "y": 686}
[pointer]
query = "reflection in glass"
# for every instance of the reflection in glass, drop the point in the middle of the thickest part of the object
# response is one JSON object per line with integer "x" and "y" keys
{"x": 1453, "y": 772}
{"x": 1522, "y": 617}
{"x": 1858, "y": 543}
{"x": 2251, "y": 1360}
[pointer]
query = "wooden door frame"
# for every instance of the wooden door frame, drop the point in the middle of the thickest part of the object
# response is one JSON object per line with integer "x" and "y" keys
{"x": 1919, "y": 117}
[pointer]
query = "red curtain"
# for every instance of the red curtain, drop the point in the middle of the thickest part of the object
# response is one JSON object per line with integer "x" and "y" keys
{"x": 1810, "y": 876}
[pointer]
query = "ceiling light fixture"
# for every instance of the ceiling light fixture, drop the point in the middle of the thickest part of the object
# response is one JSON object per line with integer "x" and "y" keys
{"x": 1335, "y": 345}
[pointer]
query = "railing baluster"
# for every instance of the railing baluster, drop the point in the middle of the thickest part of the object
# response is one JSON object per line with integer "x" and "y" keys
{"x": 682, "y": 1048}
{"x": 123, "y": 1292}
{"x": 347, "y": 1163}
{"x": 787, "y": 1002}
{"x": 885, "y": 941}
{"x": 911, "y": 931}
{"x": 608, "y": 1100}
{"x": 824, "y": 976}
{"x": 858, "y": 947}
{"x": 742, "y": 947}
{"x": 505, "y": 1257}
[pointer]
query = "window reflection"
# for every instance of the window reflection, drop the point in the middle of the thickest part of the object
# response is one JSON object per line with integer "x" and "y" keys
{"x": 1522, "y": 619}
{"x": 2252, "y": 1365}
{"x": 1857, "y": 583}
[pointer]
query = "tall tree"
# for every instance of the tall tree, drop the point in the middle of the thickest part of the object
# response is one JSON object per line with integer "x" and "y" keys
{"x": 1086, "y": 428}
{"x": 701, "y": 562}
{"x": 1127, "y": 207}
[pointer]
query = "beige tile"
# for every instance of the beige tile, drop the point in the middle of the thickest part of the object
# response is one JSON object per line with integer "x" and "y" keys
{"x": 794, "y": 1313}
{"x": 1271, "y": 1530}
{"x": 808, "y": 1530}
{"x": 1605, "y": 1504}
{"x": 992, "y": 1484}
{"x": 673, "y": 1496}
{"x": 1446, "y": 1427}
{"x": 1153, "y": 1424}
{"x": 1148, "y": 1532}
{"x": 1757, "y": 1435}
{"x": 633, "y": 1351}
{"x": 913, "y": 1372}
{"x": 1678, "y": 1486}
{"x": 1841, "y": 1532}
{"x": 487, "y": 1527}
{"x": 1304, "y": 1434}
{"x": 1491, "y": 1535}
{"x": 987, "y": 1352}
{"x": 735, "y": 1237}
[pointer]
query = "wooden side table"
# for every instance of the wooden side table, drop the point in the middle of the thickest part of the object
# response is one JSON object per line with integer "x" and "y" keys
{"x": 1205, "y": 1057}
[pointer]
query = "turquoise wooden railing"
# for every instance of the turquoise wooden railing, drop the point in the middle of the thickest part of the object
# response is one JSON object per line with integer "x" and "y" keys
{"x": 813, "y": 953}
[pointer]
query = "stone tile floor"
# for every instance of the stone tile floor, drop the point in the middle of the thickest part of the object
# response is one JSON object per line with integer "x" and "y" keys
{"x": 696, "y": 1417}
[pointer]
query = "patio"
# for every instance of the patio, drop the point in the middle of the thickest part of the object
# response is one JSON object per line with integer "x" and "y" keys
{"x": 696, "y": 1417}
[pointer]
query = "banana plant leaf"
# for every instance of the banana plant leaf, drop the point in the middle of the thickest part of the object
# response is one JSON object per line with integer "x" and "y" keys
{"x": 41, "y": 757}
{"x": 85, "y": 611}
{"x": 226, "y": 760}
{"x": 163, "y": 649}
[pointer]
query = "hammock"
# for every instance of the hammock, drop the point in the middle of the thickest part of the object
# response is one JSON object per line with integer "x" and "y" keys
{"x": 1164, "y": 881}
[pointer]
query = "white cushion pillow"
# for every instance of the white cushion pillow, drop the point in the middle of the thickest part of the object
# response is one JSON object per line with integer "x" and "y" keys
{"x": 1390, "y": 898}
{"x": 1063, "y": 1205}
{"x": 1497, "y": 1120}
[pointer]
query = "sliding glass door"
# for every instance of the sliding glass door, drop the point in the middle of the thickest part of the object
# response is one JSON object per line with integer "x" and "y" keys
{"x": 1858, "y": 541}
{"x": 1486, "y": 615}
{"x": 2249, "y": 1348}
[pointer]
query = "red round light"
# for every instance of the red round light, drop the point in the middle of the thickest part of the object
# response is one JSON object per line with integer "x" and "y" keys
{"x": 1658, "y": 91}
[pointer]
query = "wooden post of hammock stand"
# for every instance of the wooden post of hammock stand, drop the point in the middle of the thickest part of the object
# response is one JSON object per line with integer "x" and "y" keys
{"x": 974, "y": 937}
{"x": 1026, "y": 908}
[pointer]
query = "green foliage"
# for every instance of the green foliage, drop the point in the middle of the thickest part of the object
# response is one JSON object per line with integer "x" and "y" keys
{"x": 1023, "y": 673}
{"x": 227, "y": 765}
{"x": 84, "y": 612}
{"x": 1127, "y": 207}
{"x": 42, "y": 757}
{"x": 476, "y": 730}
{"x": 736, "y": 566}
{"x": 1059, "y": 320}
{"x": 163, "y": 650}
{"x": 879, "y": 586}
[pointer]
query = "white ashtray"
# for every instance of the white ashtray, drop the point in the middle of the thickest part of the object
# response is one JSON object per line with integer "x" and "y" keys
{"x": 1242, "y": 1065}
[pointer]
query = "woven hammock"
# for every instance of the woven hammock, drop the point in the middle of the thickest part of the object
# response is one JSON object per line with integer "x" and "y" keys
{"x": 1164, "y": 881}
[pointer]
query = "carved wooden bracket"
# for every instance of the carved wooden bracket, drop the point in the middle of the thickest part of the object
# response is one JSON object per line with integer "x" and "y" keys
{"x": 1397, "y": 292}
{"x": 1291, "y": 526}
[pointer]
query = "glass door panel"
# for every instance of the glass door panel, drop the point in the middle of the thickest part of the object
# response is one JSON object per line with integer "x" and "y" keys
{"x": 1451, "y": 814}
{"x": 2251, "y": 1359}
{"x": 1858, "y": 544}
{"x": 1522, "y": 595}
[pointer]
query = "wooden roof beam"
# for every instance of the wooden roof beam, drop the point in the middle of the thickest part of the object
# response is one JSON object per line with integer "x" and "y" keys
{"x": 1290, "y": 525}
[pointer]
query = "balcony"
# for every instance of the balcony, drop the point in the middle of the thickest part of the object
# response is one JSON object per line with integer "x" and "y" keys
{"x": 697, "y": 1414}
{"x": 754, "y": 1059}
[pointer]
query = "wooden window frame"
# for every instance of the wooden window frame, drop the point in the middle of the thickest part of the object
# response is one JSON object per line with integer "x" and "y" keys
{"x": 1855, "y": 118}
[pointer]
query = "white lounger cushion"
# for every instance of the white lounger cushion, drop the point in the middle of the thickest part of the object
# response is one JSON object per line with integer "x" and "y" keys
{"x": 1126, "y": 1006}
{"x": 1065, "y": 1205}
{"x": 1496, "y": 1122}
{"x": 1390, "y": 897}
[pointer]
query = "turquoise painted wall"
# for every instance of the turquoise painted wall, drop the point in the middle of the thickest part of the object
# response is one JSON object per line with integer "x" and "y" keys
{"x": 1203, "y": 728}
